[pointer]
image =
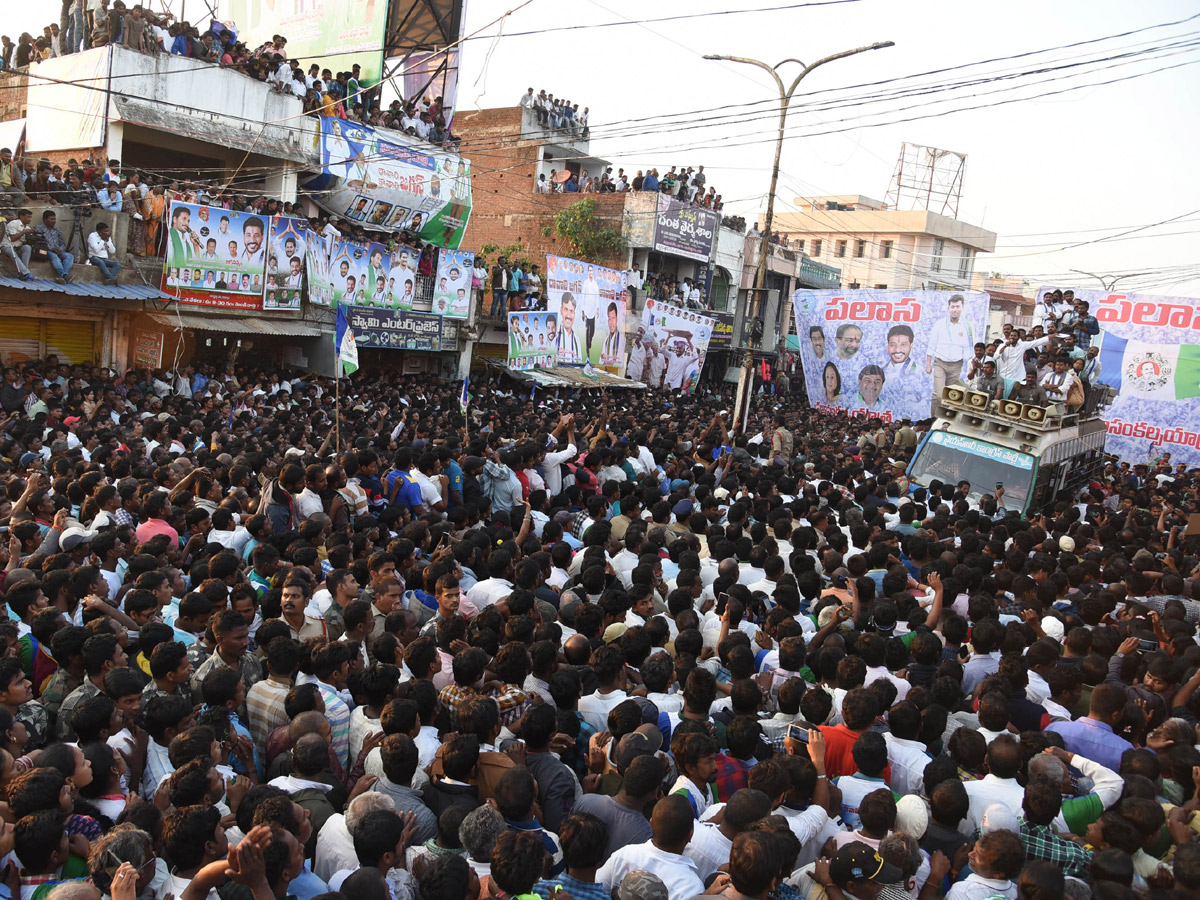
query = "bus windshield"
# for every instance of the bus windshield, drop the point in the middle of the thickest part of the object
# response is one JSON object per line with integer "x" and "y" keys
{"x": 951, "y": 458}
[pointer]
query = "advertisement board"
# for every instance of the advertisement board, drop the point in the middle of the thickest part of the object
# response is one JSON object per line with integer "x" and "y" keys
{"x": 383, "y": 179}
{"x": 148, "y": 349}
{"x": 395, "y": 329}
{"x": 1150, "y": 354}
{"x": 681, "y": 229}
{"x": 338, "y": 34}
{"x": 668, "y": 350}
{"x": 287, "y": 247}
{"x": 885, "y": 354}
{"x": 215, "y": 257}
{"x": 452, "y": 285}
{"x": 722, "y": 333}
{"x": 590, "y": 303}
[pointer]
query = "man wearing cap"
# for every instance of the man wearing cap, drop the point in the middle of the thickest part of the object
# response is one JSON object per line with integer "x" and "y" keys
{"x": 859, "y": 871}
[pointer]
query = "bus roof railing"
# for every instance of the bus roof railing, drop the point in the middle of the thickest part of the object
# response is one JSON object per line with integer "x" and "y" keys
{"x": 960, "y": 402}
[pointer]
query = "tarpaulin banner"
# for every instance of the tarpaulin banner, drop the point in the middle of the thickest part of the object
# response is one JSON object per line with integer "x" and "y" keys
{"x": 287, "y": 247}
{"x": 366, "y": 273}
{"x": 668, "y": 349}
{"x": 590, "y": 303}
{"x": 316, "y": 262}
{"x": 452, "y": 286}
{"x": 384, "y": 179}
{"x": 532, "y": 340}
{"x": 215, "y": 257}
{"x": 886, "y": 354}
{"x": 1150, "y": 353}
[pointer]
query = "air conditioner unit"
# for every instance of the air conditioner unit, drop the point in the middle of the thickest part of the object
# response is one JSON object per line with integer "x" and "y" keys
{"x": 1033, "y": 413}
{"x": 977, "y": 400}
{"x": 954, "y": 395}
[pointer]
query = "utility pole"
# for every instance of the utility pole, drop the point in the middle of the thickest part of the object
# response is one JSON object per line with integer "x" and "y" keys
{"x": 785, "y": 98}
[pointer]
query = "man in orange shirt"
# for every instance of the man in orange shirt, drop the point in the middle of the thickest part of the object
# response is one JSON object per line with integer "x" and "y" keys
{"x": 859, "y": 710}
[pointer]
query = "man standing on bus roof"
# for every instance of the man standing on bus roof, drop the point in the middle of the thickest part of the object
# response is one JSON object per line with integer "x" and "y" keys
{"x": 1028, "y": 391}
{"x": 951, "y": 343}
{"x": 1010, "y": 358}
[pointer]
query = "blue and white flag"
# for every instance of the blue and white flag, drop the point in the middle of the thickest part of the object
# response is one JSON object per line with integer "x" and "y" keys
{"x": 343, "y": 342}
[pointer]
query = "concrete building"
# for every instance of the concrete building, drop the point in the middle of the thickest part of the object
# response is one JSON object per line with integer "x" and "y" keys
{"x": 885, "y": 248}
{"x": 168, "y": 114}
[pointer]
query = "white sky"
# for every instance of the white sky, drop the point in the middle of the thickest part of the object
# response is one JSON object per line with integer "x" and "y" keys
{"x": 1043, "y": 173}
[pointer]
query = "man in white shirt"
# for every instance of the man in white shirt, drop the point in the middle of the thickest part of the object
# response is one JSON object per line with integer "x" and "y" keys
{"x": 589, "y": 308}
{"x": 998, "y": 786}
{"x": 1057, "y": 384}
{"x": 906, "y": 754}
{"x": 951, "y": 345}
{"x": 608, "y": 663}
{"x": 672, "y": 824}
{"x": 101, "y": 251}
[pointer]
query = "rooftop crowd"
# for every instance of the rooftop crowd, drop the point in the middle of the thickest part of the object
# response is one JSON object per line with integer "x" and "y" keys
{"x": 686, "y": 185}
{"x": 583, "y": 646}
{"x": 324, "y": 92}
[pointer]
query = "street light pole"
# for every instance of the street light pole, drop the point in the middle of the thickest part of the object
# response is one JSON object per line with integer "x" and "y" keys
{"x": 1109, "y": 281}
{"x": 760, "y": 279}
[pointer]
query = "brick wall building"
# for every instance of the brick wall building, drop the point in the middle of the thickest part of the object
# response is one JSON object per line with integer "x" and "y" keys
{"x": 508, "y": 151}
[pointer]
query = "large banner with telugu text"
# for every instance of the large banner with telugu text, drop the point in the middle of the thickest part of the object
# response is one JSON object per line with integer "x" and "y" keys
{"x": 1150, "y": 353}
{"x": 881, "y": 354}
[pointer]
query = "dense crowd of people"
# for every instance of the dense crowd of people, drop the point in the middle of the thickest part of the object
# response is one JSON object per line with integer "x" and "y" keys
{"x": 556, "y": 114}
{"x": 572, "y": 646}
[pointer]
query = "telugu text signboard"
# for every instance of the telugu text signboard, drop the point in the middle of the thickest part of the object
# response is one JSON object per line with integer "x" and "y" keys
{"x": 395, "y": 330}
{"x": 684, "y": 230}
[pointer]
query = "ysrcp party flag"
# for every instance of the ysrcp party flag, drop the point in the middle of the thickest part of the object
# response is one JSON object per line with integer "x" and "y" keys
{"x": 287, "y": 247}
{"x": 668, "y": 350}
{"x": 886, "y": 354}
{"x": 1149, "y": 354}
{"x": 591, "y": 302}
{"x": 215, "y": 257}
{"x": 344, "y": 344}
{"x": 452, "y": 285}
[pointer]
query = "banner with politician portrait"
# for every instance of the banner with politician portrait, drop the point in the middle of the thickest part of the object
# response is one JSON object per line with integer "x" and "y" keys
{"x": 287, "y": 246}
{"x": 215, "y": 257}
{"x": 591, "y": 302}
{"x": 532, "y": 340}
{"x": 452, "y": 285}
{"x": 1149, "y": 353}
{"x": 886, "y": 354}
{"x": 384, "y": 179}
{"x": 667, "y": 352}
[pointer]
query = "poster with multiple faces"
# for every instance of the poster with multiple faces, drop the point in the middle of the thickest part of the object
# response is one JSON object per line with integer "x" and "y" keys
{"x": 590, "y": 303}
{"x": 287, "y": 247}
{"x": 452, "y": 286}
{"x": 532, "y": 340}
{"x": 215, "y": 257}
{"x": 316, "y": 264}
{"x": 365, "y": 273}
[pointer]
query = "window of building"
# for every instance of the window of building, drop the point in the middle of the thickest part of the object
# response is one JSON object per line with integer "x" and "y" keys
{"x": 860, "y": 249}
{"x": 939, "y": 249}
{"x": 885, "y": 249}
{"x": 816, "y": 250}
{"x": 798, "y": 245}
{"x": 881, "y": 287}
{"x": 841, "y": 249}
{"x": 854, "y": 285}
{"x": 964, "y": 263}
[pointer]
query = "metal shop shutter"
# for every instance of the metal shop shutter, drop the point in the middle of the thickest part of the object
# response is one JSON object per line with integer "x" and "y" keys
{"x": 20, "y": 340}
{"x": 73, "y": 342}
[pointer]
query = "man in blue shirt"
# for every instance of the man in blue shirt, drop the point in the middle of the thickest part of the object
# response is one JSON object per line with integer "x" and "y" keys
{"x": 454, "y": 474}
{"x": 1093, "y": 737}
{"x": 402, "y": 488}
